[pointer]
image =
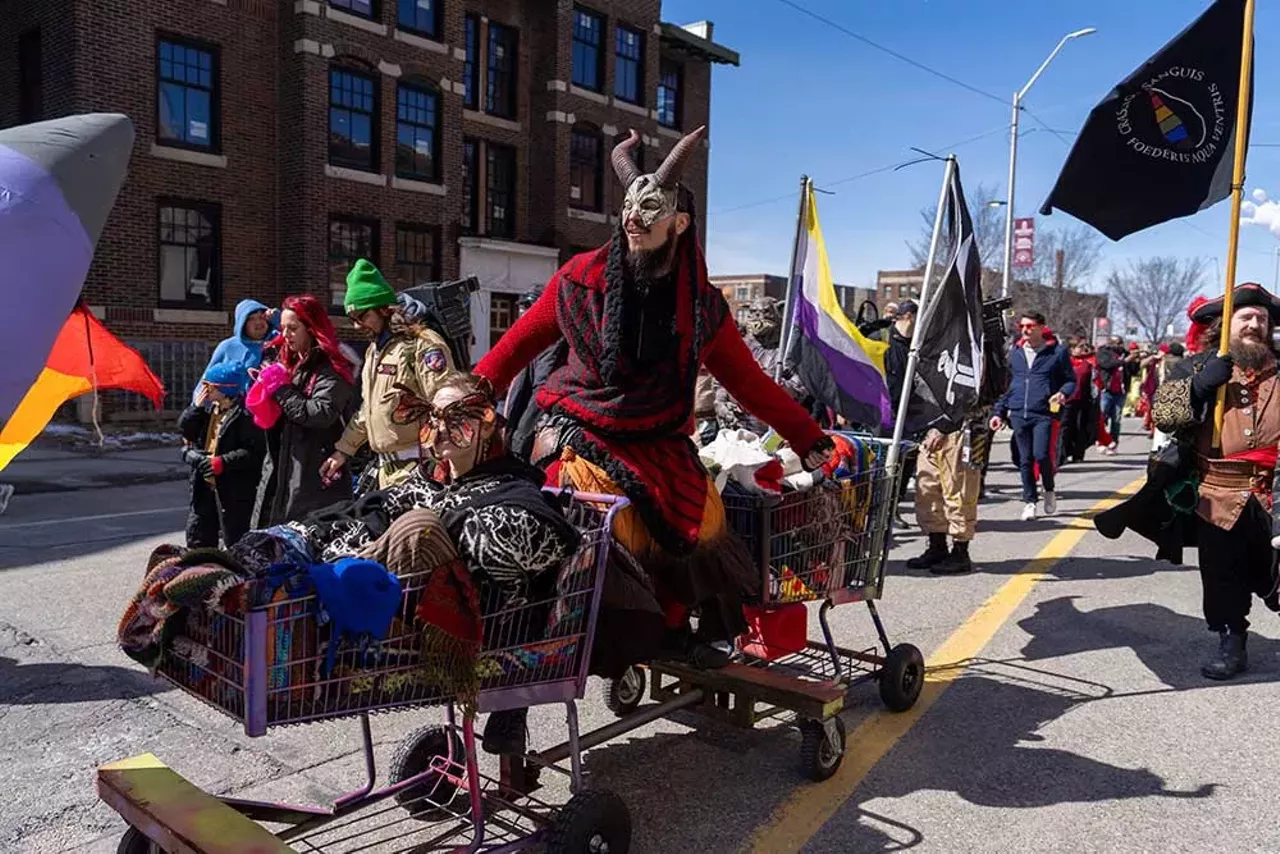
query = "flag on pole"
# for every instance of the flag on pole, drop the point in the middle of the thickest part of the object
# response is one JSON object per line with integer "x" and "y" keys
{"x": 85, "y": 357}
{"x": 1159, "y": 145}
{"x": 946, "y": 386}
{"x": 840, "y": 367}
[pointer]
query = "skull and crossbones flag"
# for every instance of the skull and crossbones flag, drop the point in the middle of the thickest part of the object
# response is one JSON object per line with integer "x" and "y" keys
{"x": 945, "y": 391}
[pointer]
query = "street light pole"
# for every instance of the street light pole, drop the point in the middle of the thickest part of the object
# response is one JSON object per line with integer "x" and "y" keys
{"x": 1013, "y": 154}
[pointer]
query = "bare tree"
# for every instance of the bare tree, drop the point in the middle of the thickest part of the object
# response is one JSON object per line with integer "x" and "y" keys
{"x": 1081, "y": 249}
{"x": 1153, "y": 292}
{"x": 988, "y": 229}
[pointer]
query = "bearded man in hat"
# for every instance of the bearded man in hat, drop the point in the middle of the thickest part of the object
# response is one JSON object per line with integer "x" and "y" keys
{"x": 641, "y": 320}
{"x": 763, "y": 324}
{"x": 1233, "y": 523}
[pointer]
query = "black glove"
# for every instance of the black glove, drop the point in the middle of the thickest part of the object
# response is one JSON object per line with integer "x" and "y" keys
{"x": 1216, "y": 372}
{"x": 204, "y": 467}
{"x": 192, "y": 456}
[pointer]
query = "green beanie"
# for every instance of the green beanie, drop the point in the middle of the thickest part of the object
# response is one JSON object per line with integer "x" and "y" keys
{"x": 366, "y": 288}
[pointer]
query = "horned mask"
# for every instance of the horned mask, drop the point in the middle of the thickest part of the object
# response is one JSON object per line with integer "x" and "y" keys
{"x": 652, "y": 196}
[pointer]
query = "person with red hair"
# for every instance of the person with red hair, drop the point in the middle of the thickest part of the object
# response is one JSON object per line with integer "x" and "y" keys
{"x": 311, "y": 383}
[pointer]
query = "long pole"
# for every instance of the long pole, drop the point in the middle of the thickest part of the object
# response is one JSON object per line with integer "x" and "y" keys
{"x": 793, "y": 275}
{"x": 1237, "y": 197}
{"x": 922, "y": 315}
{"x": 1008, "y": 205}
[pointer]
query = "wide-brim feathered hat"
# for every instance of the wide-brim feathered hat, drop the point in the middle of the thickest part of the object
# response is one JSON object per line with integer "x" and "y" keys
{"x": 1247, "y": 294}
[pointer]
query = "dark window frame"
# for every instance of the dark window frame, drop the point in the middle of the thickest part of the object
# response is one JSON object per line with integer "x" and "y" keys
{"x": 212, "y": 212}
{"x": 437, "y": 19}
{"x": 505, "y": 302}
{"x": 374, "y": 80}
{"x": 675, "y": 101}
{"x": 580, "y": 47}
{"x": 471, "y": 61}
{"x": 510, "y": 109}
{"x": 345, "y": 7}
{"x": 433, "y": 263}
{"x": 493, "y": 191}
{"x": 375, "y": 236}
{"x": 214, "y": 130}
{"x": 418, "y": 86}
{"x": 31, "y": 76}
{"x": 621, "y": 61}
{"x": 579, "y": 134}
{"x": 470, "y": 220}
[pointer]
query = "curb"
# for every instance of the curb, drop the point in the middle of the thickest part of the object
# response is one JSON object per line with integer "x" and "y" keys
{"x": 38, "y": 487}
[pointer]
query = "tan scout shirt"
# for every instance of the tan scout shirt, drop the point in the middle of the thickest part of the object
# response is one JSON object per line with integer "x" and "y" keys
{"x": 419, "y": 363}
{"x": 1251, "y": 422}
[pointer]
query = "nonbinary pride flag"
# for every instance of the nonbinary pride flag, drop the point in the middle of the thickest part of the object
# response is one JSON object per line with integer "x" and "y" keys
{"x": 1159, "y": 145}
{"x": 839, "y": 366}
{"x": 84, "y": 355}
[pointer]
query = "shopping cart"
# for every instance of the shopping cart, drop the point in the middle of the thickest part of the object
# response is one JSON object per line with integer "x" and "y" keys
{"x": 270, "y": 666}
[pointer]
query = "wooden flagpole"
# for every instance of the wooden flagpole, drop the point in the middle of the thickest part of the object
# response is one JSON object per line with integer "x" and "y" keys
{"x": 1237, "y": 196}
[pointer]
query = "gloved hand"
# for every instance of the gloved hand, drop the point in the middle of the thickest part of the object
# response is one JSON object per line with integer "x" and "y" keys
{"x": 272, "y": 378}
{"x": 206, "y": 466}
{"x": 820, "y": 454}
{"x": 192, "y": 455}
{"x": 1216, "y": 372}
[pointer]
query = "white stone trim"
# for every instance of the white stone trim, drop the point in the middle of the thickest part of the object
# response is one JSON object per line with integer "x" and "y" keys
{"x": 306, "y": 46}
{"x": 423, "y": 42}
{"x": 182, "y": 155}
{"x": 509, "y": 246}
{"x": 552, "y": 85}
{"x": 340, "y": 17}
{"x": 306, "y": 7}
{"x": 484, "y": 19}
{"x": 190, "y": 315}
{"x": 589, "y": 216}
{"x": 219, "y": 2}
{"x": 557, "y": 116}
{"x": 657, "y": 29}
{"x": 589, "y": 95}
{"x": 446, "y": 85}
{"x": 485, "y": 118}
{"x": 418, "y": 186}
{"x": 459, "y": 88}
{"x": 627, "y": 106}
{"x": 389, "y": 68}
{"x": 670, "y": 133}
{"x": 460, "y": 53}
{"x": 609, "y": 130}
{"x": 356, "y": 175}
{"x": 327, "y": 51}
{"x": 651, "y": 141}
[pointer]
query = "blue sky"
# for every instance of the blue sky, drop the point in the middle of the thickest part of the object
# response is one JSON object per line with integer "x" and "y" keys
{"x": 810, "y": 99}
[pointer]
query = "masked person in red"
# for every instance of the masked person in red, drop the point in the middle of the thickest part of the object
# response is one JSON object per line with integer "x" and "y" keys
{"x": 641, "y": 320}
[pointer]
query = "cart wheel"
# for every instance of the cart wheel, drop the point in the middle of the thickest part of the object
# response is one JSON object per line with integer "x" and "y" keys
{"x": 134, "y": 842}
{"x": 901, "y": 677}
{"x": 593, "y": 822}
{"x": 413, "y": 757}
{"x": 821, "y": 752}
{"x": 623, "y": 695}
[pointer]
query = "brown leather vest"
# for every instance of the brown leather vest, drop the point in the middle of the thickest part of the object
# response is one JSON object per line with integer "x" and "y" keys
{"x": 1251, "y": 422}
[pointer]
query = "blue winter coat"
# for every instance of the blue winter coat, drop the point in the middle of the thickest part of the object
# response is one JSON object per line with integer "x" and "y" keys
{"x": 238, "y": 348}
{"x": 1031, "y": 386}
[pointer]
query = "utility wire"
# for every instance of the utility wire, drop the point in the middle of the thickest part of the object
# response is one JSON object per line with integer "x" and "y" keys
{"x": 898, "y": 56}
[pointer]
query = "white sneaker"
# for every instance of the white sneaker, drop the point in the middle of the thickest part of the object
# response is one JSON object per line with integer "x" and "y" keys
{"x": 6, "y": 492}
{"x": 1050, "y": 503}
{"x": 1029, "y": 511}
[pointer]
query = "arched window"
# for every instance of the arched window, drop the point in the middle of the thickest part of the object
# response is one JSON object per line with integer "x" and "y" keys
{"x": 585, "y": 161}
{"x": 353, "y": 117}
{"x": 417, "y": 130}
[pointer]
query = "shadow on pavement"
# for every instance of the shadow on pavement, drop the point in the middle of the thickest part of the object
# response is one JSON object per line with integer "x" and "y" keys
{"x": 45, "y": 683}
{"x": 1086, "y": 568}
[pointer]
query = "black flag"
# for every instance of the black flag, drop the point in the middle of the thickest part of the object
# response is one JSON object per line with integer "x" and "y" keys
{"x": 949, "y": 372}
{"x": 1160, "y": 145}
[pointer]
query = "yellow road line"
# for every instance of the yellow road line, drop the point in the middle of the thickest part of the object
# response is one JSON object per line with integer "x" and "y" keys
{"x": 803, "y": 814}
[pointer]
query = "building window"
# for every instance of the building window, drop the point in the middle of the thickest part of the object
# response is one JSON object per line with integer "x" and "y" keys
{"x": 500, "y": 95}
{"x": 588, "y": 33}
{"x": 30, "y": 78}
{"x": 584, "y": 168}
{"x": 669, "y": 84}
{"x": 742, "y": 293}
{"x": 470, "y": 185}
{"x": 363, "y": 8}
{"x": 419, "y": 16}
{"x": 415, "y": 255}
{"x": 350, "y": 239}
{"x": 351, "y": 120}
{"x": 417, "y": 132}
{"x": 190, "y": 272}
{"x": 471, "y": 66}
{"x": 628, "y": 65}
{"x": 502, "y": 314}
{"x": 500, "y": 190}
{"x": 187, "y": 84}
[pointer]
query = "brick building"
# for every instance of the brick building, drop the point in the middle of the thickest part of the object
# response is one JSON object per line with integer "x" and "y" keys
{"x": 897, "y": 285}
{"x": 741, "y": 290}
{"x": 280, "y": 140}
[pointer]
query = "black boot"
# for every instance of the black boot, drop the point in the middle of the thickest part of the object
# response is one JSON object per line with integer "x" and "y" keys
{"x": 934, "y": 554}
{"x": 506, "y": 732}
{"x": 956, "y": 563}
{"x": 1230, "y": 660}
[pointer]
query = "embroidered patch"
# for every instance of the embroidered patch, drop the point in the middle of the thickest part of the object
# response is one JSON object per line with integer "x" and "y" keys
{"x": 435, "y": 360}
{"x": 387, "y": 370}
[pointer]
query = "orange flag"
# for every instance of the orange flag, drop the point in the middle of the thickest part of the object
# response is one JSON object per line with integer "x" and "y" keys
{"x": 84, "y": 356}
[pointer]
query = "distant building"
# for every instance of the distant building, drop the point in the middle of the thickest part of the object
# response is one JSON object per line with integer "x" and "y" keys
{"x": 897, "y": 285}
{"x": 852, "y": 297}
{"x": 741, "y": 290}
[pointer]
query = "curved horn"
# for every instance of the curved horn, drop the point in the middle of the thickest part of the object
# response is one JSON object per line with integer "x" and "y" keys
{"x": 623, "y": 163}
{"x": 668, "y": 174}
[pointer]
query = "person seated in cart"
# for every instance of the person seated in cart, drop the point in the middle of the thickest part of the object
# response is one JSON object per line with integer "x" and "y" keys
{"x": 641, "y": 319}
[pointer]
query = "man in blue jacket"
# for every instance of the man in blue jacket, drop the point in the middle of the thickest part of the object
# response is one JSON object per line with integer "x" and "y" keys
{"x": 1041, "y": 379}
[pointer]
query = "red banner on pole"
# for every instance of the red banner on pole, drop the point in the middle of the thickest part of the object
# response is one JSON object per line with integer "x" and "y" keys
{"x": 1024, "y": 242}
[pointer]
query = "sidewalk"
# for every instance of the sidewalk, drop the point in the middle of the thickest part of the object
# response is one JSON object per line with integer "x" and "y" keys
{"x": 39, "y": 469}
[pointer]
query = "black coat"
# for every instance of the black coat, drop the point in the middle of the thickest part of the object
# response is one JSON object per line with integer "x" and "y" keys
{"x": 314, "y": 411}
{"x": 522, "y": 410}
{"x": 242, "y": 447}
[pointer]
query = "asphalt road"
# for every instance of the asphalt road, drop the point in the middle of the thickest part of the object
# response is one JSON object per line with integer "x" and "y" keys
{"x": 1077, "y": 722}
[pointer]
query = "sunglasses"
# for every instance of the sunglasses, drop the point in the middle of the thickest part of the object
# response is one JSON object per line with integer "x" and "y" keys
{"x": 1028, "y": 325}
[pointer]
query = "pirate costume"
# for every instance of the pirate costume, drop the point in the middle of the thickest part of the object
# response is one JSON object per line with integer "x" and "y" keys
{"x": 619, "y": 412}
